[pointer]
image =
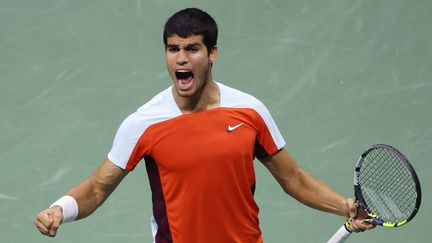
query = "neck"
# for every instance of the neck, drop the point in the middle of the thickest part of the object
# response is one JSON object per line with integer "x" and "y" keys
{"x": 206, "y": 99}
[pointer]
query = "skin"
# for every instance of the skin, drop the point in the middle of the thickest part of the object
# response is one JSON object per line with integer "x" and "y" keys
{"x": 203, "y": 94}
{"x": 191, "y": 54}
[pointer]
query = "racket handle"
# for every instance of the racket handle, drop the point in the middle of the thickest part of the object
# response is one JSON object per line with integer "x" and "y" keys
{"x": 341, "y": 235}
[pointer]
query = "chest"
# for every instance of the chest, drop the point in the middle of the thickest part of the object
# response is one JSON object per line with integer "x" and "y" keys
{"x": 204, "y": 140}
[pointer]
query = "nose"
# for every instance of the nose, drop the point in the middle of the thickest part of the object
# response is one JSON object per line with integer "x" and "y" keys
{"x": 182, "y": 57}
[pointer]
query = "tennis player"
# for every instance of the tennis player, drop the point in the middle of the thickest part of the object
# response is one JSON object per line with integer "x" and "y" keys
{"x": 198, "y": 139}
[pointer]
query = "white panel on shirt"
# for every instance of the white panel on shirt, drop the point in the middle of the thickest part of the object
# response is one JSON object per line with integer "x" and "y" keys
{"x": 161, "y": 108}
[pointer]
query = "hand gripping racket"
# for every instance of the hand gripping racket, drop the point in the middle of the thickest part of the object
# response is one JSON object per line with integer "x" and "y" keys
{"x": 386, "y": 186}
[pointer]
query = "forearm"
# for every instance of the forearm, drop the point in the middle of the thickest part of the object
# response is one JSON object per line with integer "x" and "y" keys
{"x": 81, "y": 200}
{"x": 303, "y": 186}
{"x": 93, "y": 191}
{"x": 88, "y": 197}
{"x": 314, "y": 193}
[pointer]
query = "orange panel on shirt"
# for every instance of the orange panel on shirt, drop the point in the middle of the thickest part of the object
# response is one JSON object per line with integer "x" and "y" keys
{"x": 202, "y": 175}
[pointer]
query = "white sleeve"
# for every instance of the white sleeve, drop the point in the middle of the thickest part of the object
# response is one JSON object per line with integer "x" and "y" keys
{"x": 125, "y": 140}
{"x": 270, "y": 123}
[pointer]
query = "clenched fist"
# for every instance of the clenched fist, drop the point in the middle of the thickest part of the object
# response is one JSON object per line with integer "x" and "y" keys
{"x": 49, "y": 220}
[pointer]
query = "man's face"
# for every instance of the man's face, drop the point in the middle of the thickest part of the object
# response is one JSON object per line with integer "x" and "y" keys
{"x": 189, "y": 63}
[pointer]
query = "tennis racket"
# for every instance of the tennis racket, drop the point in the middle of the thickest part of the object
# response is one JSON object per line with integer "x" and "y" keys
{"x": 386, "y": 186}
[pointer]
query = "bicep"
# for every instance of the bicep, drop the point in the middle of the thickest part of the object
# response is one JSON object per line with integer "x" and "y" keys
{"x": 108, "y": 175}
{"x": 284, "y": 169}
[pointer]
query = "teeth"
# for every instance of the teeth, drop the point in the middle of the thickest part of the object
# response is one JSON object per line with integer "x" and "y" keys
{"x": 183, "y": 71}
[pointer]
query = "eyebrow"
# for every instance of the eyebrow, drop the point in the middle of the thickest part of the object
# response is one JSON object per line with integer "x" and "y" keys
{"x": 193, "y": 44}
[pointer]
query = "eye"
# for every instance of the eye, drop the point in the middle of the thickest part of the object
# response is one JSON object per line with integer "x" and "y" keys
{"x": 172, "y": 49}
{"x": 192, "y": 49}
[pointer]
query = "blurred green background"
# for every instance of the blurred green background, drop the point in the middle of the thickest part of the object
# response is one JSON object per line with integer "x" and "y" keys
{"x": 337, "y": 76}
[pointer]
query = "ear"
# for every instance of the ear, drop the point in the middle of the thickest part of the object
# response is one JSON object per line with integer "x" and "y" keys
{"x": 213, "y": 54}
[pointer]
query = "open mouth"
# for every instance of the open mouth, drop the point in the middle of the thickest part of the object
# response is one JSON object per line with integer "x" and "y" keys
{"x": 183, "y": 74}
{"x": 184, "y": 77}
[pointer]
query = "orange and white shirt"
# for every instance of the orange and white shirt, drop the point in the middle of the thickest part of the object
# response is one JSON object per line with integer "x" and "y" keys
{"x": 200, "y": 165}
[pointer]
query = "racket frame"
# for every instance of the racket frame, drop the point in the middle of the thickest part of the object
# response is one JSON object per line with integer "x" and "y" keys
{"x": 358, "y": 192}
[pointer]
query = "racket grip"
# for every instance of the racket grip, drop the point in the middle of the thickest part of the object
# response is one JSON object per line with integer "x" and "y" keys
{"x": 341, "y": 235}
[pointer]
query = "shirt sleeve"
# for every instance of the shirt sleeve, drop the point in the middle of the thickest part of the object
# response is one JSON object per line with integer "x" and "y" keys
{"x": 269, "y": 139}
{"x": 126, "y": 140}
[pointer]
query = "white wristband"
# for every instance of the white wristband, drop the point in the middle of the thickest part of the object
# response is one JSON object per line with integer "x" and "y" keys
{"x": 69, "y": 206}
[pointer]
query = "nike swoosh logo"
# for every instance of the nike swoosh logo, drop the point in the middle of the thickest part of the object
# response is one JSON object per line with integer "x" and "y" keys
{"x": 230, "y": 128}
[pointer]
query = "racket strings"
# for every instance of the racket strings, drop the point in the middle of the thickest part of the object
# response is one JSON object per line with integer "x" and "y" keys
{"x": 387, "y": 185}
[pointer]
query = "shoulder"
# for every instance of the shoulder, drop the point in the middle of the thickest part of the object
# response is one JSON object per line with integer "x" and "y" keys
{"x": 231, "y": 97}
{"x": 160, "y": 103}
{"x": 269, "y": 133}
{"x": 160, "y": 108}
{"x": 234, "y": 98}
{"x": 157, "y": 109}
